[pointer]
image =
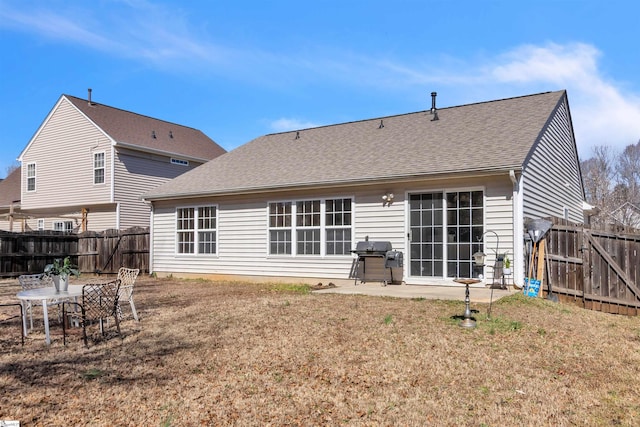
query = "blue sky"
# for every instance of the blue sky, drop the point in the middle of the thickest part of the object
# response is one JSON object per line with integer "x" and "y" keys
{"x": 240, "y": 69}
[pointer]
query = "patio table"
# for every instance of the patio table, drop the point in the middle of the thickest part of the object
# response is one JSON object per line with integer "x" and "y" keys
{"x": 44, "y": 295}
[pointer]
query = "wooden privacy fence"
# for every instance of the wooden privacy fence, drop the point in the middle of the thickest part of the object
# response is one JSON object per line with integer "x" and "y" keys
{"x": 94, "y": 252}
{"x": 599, "y": 270}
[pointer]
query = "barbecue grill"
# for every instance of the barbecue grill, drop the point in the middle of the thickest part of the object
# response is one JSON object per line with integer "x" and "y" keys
{"x": 376, "y": 249}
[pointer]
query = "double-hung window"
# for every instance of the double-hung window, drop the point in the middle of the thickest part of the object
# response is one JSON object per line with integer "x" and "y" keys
{"x": 207, "y": 230}
{"x": 308, "y": 227}
{"x": 31, "y": 177}
{"x": 196, "y": 229}
{"x": 338, "y": 226}
{"x": 280, "y": 228}
{"x": 98, "y": 168}
{"x": 321, "y": 227}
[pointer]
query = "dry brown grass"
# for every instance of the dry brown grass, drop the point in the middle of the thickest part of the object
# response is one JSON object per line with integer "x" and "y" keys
{"x": 245, "y": 354}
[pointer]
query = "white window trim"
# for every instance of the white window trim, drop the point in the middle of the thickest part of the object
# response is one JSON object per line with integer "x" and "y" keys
{"x": 63, "y": 225}
{"x": 104, "y": 167}
{"x": 407, "y": 244}
{"x": 323, "y": 227}
{"x": 35, "y": 175}
{"x": 196, "y": 230}
{"x": 40, "y": 225}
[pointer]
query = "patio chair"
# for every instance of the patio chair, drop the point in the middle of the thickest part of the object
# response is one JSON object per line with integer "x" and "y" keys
{"x": 127, "y": 277}
{"x": 12, "y": 317}
{"x": 99, "y": 303}
{"x": 33, "y": 281}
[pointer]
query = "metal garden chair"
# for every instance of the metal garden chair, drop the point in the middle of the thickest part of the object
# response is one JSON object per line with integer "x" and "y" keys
{"x": 127, "y": 277}
{"x": 33, "y": 281}
{"x": 12, "y": 317}
{"x": 99, "y": 303}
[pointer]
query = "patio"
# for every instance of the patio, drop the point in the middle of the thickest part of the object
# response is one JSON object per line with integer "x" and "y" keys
{"x": 442, "y": 290}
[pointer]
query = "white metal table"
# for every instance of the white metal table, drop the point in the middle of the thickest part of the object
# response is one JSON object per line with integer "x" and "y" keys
{"x": 44, "y": 295}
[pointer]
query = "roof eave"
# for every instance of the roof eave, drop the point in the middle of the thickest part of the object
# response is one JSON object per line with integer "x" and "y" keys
{"x": 144, "y": 149}
{"x": 334, "y": 184}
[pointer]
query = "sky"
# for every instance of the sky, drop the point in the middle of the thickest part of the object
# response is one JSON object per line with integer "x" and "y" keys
{"x": 238, "y": 69}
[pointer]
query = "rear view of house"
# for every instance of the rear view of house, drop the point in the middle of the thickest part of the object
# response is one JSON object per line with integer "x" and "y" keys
{"x": 88, "y": 164}
{"x": 437, "y": 185}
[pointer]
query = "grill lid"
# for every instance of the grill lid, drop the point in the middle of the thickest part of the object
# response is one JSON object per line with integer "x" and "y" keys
{"x": 372, "y": 247}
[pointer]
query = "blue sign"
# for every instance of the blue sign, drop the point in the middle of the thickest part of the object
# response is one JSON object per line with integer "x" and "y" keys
{"x": 532, "y": 287}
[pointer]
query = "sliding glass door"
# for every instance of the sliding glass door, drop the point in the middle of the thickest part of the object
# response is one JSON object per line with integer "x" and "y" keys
{"x": 445, "y": 231}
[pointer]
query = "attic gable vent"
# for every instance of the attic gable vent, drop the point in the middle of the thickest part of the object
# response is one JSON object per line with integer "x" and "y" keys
{"x": 180, "y": 162}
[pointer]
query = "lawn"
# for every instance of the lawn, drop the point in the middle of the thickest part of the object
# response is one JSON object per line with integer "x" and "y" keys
{"x": 211, "y": 353}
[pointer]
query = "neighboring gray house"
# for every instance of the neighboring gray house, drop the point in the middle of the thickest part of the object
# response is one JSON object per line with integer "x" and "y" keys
{"x": 439, "y": 185}
{"x": 10, "y": 202}
{"x": 88, "y": 164}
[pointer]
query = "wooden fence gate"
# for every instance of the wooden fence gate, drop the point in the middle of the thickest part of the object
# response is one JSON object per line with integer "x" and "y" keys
{"x": 598, "y": 270}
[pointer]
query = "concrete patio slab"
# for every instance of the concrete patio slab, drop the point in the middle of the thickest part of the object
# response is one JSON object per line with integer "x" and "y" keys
{"x": 454, "y": 292}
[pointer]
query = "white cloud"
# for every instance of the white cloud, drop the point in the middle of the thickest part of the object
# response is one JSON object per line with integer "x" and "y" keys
{"x": 288, "y": 124}
{"x": 131, "y": 29}
{"x": 603, "y": 112}
{"x": 552, "y": 63}
{"x": 53, "y": 25}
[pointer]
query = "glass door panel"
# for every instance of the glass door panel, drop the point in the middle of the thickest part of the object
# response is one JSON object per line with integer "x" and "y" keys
{"x": 458, "y": 239}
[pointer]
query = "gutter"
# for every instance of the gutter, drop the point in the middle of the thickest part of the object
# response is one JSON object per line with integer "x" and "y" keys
{"x": 331, "y": 184}
{"x": 160, "y": 152}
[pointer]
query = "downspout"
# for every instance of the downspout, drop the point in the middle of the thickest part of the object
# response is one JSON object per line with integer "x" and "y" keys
{"x": 113, "y": 185}
{"x": 151, "y": 215}
{"x": 518, "y": 229}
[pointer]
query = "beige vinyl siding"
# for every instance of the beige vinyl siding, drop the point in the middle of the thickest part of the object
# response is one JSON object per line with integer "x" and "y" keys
{"x": 242, "y": 247}
{"x": 243, "y": 237}
{"x": 552, "y": 178}
{"x": 380, "y": 222}
{"x": 499, "y": 218}
{"x": 135, "y": 174}
{"x": 63, "y": 152}
{"x": 98, "y": 219}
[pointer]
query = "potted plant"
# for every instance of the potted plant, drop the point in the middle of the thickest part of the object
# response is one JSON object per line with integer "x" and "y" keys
{"x": 60, "y": 270}
{"x": 506, "y": 265}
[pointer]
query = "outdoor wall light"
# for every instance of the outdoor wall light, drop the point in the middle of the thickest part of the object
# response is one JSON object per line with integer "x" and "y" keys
{"x": 387, "y": 198}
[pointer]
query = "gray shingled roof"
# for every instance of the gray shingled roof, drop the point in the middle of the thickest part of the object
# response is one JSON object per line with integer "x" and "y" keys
{"x": 136, "y": 130}
{"x": 488, "y": 136}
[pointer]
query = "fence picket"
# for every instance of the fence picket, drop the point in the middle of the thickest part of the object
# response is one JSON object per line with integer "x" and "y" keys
{"x": 600, "y": 267}
{"x": 93, "y": 252}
